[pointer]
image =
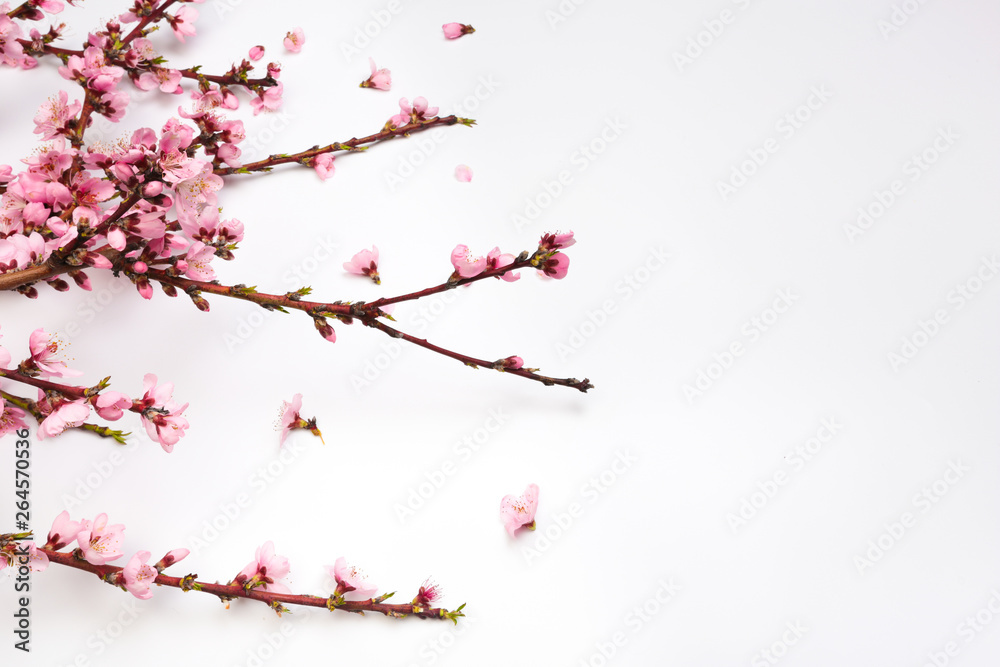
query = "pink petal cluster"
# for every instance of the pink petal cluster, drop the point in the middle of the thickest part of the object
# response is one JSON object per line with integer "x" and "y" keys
{"x": 380, "y": 79}
{"x": 519, "y": 512}
{"x": 365, "y": 263}
{"x": 294, "y": 40}
{"x": 161, "y": 415}
{"x": 53, "y": 116}
{"x": 68, "y": 415}
{"x": 468, "y": 266}
{"x": 456, "y": 30}
{"x": 411, "y": 113}
{"x": 264, "y": 571}
{"x": 351, "y": 582}
{"x": 99, "y": 542}
{"x": 139, "y": 576}
{"x": 63, "y": 532}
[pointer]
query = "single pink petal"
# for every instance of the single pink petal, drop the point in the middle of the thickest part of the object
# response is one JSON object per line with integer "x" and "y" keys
{"x": 463, "y": 173}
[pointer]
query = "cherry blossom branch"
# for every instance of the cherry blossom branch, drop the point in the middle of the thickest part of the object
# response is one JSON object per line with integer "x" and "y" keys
{"x": 153, "y": 17}
{"x": 351, "y": 145}
{"x": 244, "y": 586}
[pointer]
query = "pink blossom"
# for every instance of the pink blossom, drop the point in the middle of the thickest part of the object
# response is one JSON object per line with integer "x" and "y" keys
{"x": 100, "y": 542}
{"x": 496, "y": 260}
{"x": 263, "y": 572}
{"x": 556, "y": 241}
{"x": 323, "y": 164}
{"x": 63, "y": 531}
{"x": 518, "y": 512}
{"x": 351, "y": 581}
{"x": 183, "y": 22}
{"x": 428, "y": 593}
{"x": 294, "y": 40}
{"x": 380, "y": 78}
{"x": 409, "y": 113}
{"x": 171, "y": 557}
{"x": 555, "y": 266}
{"x": 290, "y": 419}
{"x": 256, "y": 53}
{"x": 17, "y": 554}
{"x": 112, "y": 105}
{"x": 269, "y": 100}
{"x": 109, "y": 404}
{"x": 167, "y": 80}
{"x": 365, "y": 263}
{"x": 463, "y": 173}
{"x": 199, "y": 257}
{"x": 67, "y": 415}
{"x": 161, "y": 415}
{"x": 465, "y": 264}
{"x": 11, "y": 418}
{"x": 139, "y": 576}
{"x": 456, "y": 30}
{"x": 54, "y": 114}
{"x": 44, "y": 348}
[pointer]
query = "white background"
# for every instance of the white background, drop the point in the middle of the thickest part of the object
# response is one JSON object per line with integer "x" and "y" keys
{"x": 554, "y": 86}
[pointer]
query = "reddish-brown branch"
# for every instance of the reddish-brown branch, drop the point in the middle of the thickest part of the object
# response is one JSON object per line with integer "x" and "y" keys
{"x": 154, "y": 16}
{"x": 351, "y": 145}
{"x": 276, "y": 601}
{"x": 69, "y": 391}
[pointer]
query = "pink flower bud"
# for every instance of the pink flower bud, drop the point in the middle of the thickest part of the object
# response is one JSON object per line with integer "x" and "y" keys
{"x": 456, "y": 30}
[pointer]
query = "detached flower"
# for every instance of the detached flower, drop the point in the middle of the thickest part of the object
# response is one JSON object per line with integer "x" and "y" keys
{"x": 365, "y": 263}
{"x": 463, "y": 173}
{"x": 518, "y": 512}
{"x": 456, "y": 30}
{"x": 138, "y": 576}
{"x": 350, "y": 580}
{"x": 294, "y": 40}
{"x": 290, "y": 419}
{"x": 256, "y": 53}
{"x": 380, "y": 79}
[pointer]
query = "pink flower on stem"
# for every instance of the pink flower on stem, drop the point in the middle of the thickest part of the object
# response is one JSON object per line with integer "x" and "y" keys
{"x": 428, "y": 593}
{"x": 11, "y": 418}
{"x": 268, "y": 100}
{"x": 256, "y": 53}
{"x": 67, "y": 415}
{"x": 52, "y": 116}
{"x": 294, "y": 40}
{"x": 380, "y": 79}
{"x": 555, "y": 266}
{"x": 139, "y": 576}
{"x": 556, "y": 241}
{"x": 350, "y": 581}
{"x": 519, "y": 512}
{"x": 291, "y": 420}
{"x": 44, "y": 348}
{"x": 513, "y": 363}
{"x": 183, "y": 22}
{"x": 456, "y": 30}
{"x": 17, "y": 554}
{"x": 161, "y": 415}
{"x": 496, "y": 260}
{"x": 199, "y": 262}
{"x": 323, "y": 164}
{"x": 171, "y": 557}
{"x": 463, "y": 173}
{"x": 110, "y": 404}
{"x": 100, "y": 542}
{"x": 63, "y": 532}
{"x": 466, "y": 266}
{"x": 263, "y": 572}
{"x": 365, "y": 263}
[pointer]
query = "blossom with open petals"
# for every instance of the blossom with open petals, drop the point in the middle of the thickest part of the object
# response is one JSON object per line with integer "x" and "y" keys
{"x": 100, "y": 542}
{"x": 518, "y": 512}
{"x": 263, "y": 572}
{"x": 365, "y": 263}
{"x": 139, "y": 576}
{"x": 380, "y": 79}
{"x": 465, "y": 264}
{"x": 351, "y": 581}
{"x": 294, "y": 40}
